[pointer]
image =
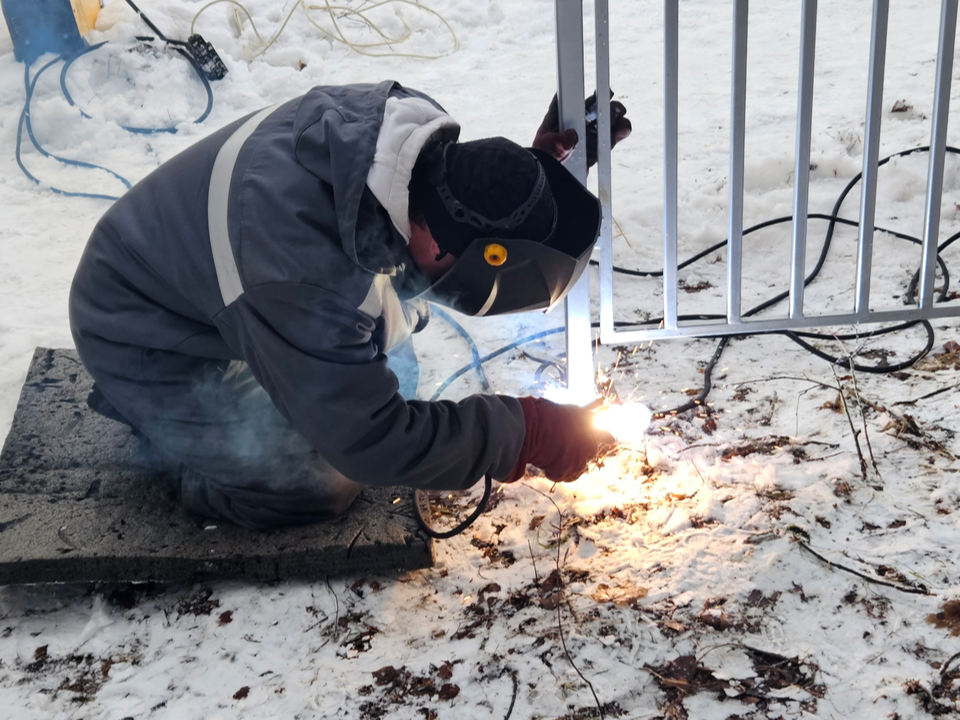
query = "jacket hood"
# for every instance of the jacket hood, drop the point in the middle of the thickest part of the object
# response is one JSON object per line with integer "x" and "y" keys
{"x": 408, "y": 123}
{"x": 337, "y": 138}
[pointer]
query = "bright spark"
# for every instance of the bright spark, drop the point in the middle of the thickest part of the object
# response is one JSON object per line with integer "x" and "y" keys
{"x": 627, "y": 423}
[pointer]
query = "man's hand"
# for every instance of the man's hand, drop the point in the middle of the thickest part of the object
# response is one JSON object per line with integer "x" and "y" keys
{"x": 560, "y": 440}
{"x": 561, "y": 144}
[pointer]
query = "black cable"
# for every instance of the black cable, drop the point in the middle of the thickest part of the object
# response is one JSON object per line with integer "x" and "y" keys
{"x": 421, "y": 508}
{"x": 153, "y": 27}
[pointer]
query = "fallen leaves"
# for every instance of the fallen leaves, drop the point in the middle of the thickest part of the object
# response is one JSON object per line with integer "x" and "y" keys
{"x": 200, "y": 603}
{"x": 622, "y": 595}
{"x": 686, "y": 675}
{"x": 948, "y": 618}
{"x": 400, "y": 684}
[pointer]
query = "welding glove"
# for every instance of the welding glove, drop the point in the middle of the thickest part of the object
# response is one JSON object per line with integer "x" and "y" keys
{"x": 561, "y": 144}
{"x": 560, "y": 440}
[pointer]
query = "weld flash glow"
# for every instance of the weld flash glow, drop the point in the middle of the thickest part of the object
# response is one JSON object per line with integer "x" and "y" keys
{"x": 627, "y": 422}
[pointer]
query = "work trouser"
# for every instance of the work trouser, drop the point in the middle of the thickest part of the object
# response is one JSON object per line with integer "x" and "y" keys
{"x": 211, "y": 424}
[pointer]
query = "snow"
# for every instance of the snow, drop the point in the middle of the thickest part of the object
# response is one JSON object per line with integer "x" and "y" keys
{"x": 690, "y": 543}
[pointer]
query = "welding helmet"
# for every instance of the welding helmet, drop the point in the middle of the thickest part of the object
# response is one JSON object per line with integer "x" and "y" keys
{"x": 520, "y": 225}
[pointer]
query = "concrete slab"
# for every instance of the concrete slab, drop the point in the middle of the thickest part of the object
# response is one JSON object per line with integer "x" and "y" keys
{"x": 76, "y": 504}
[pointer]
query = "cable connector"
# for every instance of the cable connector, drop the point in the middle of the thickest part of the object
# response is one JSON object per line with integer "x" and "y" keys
{"x": 207, "y": 57}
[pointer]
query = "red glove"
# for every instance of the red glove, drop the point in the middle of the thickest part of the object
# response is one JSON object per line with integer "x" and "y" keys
{"x": 561, "y": 144}
{"x": 560, "y": 440}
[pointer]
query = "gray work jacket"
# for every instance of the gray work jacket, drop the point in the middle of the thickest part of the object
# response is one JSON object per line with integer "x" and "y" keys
{"x": 279, "y": 240}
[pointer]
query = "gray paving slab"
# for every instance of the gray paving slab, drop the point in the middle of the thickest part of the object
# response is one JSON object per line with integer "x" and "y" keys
{"x": 78, "y": 504}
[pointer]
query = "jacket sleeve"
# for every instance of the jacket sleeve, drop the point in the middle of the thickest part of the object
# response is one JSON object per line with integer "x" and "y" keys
{"x": 313, "y": 352}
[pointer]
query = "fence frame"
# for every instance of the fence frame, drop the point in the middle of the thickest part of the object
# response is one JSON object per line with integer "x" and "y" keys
{"x": 571, "y": 92}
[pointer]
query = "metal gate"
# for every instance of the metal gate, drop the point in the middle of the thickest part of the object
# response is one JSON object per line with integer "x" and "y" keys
{"x": 570, "y": 63}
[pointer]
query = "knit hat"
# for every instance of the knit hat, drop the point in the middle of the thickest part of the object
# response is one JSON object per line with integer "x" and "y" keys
{"x": 490, "y": 188}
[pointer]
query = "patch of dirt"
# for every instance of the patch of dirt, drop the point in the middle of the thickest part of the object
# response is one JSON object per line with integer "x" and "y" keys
{"x": 399, "y": 686}
{"x": 686, "y": 676}
{"x": 948, "y": 618}
{"x": 589, "y": 712}
{"x": 84, "y": 675}
{"x": 200, "y": 603}
{"x": 948, "y": 359}
{"x": 763, "y": 446}
{"x": 493, "y": 554}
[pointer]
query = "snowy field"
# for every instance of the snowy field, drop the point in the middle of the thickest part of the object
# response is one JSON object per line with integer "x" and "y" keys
{"x": 790, "y": 551}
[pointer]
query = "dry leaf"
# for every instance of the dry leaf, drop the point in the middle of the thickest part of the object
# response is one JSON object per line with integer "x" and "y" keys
{"x": 947, "y": 618}
{"x": 621, "y": 595}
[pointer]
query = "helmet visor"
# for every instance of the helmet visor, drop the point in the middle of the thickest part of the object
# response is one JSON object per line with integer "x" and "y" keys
{"x": 496, "y": 276}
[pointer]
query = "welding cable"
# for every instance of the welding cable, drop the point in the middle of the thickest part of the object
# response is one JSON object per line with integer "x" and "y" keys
{"x": 176, "y": 46}
{"x": 477, "y": 363}
{"x": 421, "y": 510}
{"x": 25, "y": 121}
{"x": 486, "y": 358}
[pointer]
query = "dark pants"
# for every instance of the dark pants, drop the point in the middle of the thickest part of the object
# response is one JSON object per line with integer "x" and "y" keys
{"x": 237, "y": 457}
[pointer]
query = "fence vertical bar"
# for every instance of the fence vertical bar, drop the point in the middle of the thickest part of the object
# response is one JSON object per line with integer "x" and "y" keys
{"x": 801, "y": 175}
{"x": 601, "y": 14}
{"x": 938, "y": 142}
{"x": 569, "y": 16}
{"x": 671, "y": 75}
{"x": 871, "y": 154}
{"x": 738, "y": 122}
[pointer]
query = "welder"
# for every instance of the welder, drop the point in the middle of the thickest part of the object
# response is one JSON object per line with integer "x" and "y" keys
{"x": 238, "y": 306}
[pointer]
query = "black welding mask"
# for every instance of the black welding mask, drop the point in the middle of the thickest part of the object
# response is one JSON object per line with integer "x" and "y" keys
{"x": 520, "y": 225}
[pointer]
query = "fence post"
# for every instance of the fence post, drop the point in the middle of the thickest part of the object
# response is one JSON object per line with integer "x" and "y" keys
{"x": 580, "y": 381}
{"x": 938, "y": 143}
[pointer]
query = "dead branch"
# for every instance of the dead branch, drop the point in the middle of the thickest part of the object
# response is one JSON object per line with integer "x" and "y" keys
{"x": 561, "y": 588}
{"x": 875, "y": 581}
{"x": 943, "y": 668}
{"x": 536, "y": 577}
{"x": 928, "y": 395}
{"x": 513, "y": 697}
{"x": 863, "y": 418}
{"x": 853, "y": 429}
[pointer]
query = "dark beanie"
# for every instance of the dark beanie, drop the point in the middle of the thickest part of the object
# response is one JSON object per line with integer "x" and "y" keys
{"x": 490, "y": 188}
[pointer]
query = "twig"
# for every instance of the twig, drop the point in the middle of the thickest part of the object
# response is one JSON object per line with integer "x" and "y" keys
{"x": 561, "y": 588}
{"x": 928, "y": 395}
{"x": 853, "y": 429}
{"x": 336, "y": 618}
{"x": 943, "y": 668}
{"x": 824, "y": 385}
{"x": 536, "y": 577}
{"x": 901, "y": 588}
{"x": 863, "y": 418}
{"x": 572, "y": 663}
{"x": 513, "y": 698}
{"x": 717, "y": 647}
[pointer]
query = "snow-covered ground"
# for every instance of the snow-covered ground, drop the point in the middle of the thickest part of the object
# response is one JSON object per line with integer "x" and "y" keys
{"x": 678, "y": 580}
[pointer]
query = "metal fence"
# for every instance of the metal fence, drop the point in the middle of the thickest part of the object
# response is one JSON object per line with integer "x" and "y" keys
{"x": 570, "y": 42}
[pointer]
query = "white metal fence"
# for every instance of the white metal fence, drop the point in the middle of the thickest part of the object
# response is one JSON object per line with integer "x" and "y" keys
{"x": 570, "y": 63}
